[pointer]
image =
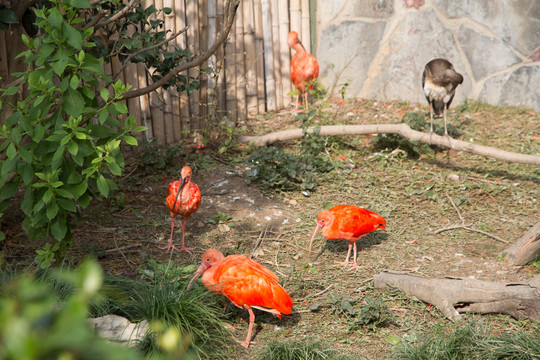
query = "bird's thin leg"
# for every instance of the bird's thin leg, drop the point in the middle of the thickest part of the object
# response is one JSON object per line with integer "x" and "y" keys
{"x": 183, "y": 247}
{"x": 431, "y": 116}
{"x": 306, "y": 100}
{"x": 170, "y": 244}
{"x": 251, "y": 321}
{"x": 444, "y": 113}
{"x": 297, "y": 99}
{"x": 346, "y": 262}
{"x": 355, "y": 264}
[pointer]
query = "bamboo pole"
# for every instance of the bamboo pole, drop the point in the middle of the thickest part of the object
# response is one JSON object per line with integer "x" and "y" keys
{"x": 270, "y": 81}
{"x": 212, "y": 60}
{"x": 131, "y": 77}
{"x": 277, "y": 54}
{"x": 231, "y": 88}
{"x": 167, "y": 93}
{"x": 181, "y": 41}
{"x": 295, "y": 17}
{"x": 306, "y": 38}
{"x": 259, "y": 50}
{"x": 193, "y": 46}
{"x": 175, "y": 96}
{"x": 284, "y": 51}
{"x": 144, "y": 102}
{"x": 203, "y": 78}
{"x": 250, "y": 57}
{"x": 220, "y": 102}
{"x": 240, "y": 70}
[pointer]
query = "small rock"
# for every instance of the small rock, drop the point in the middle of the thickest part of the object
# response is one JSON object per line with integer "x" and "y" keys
{"x": 293, "y": 202}
{"x": 453, "y": 177}
{"x": 316, "y": 307}
{"x": 224, "y": 227}
{"x": 118, "y": 328}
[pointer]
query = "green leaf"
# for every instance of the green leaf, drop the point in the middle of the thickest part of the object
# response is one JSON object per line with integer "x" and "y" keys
{"x": 120, "y": 107}
{"x": 65, "y": 193}
{"x": 59, "y": 61}
{"x": 12, "y": 90}
{"x": 115, "y": 169}
{"x": 8, "y": 190}
{"x": 11, "y": 151}
{"x": 8, "y": 16}
{"x": 80, "y": 4}
{"x": 102, "y": 185}
{"x": 130, "y": 140}
{"x": 59, "y": 228}
{"x": 27, "y": 203}
{"x": 27, "y": 173}
{"x": 39, "y": 131}
{"x": 55, "y": 18}
{"x": 74, "y": 82}
{"x": 73, "y": 148}
{"x": 73, "y": 36}
{"x": 104, "y": 92}
{"x": 52, "y": 210}
{"x": 73, "y": 102}
{"x": 47, "y": 196}
{"x": 67, "y": 205}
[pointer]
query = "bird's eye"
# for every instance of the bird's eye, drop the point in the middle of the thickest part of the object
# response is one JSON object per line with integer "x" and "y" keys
{"x": 322, "y": 220}
{"x": 208, "y": 260}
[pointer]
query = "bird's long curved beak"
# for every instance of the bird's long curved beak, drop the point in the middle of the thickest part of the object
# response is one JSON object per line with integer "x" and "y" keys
{"x": 317, "y": 228}
{"x": 197, "y": 274}
{"x": 182, "y": 183}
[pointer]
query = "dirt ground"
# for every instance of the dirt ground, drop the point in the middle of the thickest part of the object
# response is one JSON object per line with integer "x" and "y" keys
{"x": 414, "y": 196}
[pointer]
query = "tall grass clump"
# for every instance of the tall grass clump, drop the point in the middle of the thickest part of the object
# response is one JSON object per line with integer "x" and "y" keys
{"x": 159, "y": 296}
{"x": 469, "y": 341}
{"x": 297, "y": 350}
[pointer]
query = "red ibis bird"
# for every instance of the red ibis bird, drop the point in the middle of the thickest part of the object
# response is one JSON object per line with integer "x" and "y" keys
{"x": 304, "y": 67}
{"x": 245, "y": 282}
{"x": 439, "y": 81}
{"x": 183, "y": 198}
{"x": 347, "y": 222}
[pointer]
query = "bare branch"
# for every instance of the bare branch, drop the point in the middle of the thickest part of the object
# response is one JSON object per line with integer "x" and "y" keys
{"x": 231, "y": 7}
{"x": 126, "y": 62}
{"x": 115, "y": 16}
{"x": 401, "y": 129}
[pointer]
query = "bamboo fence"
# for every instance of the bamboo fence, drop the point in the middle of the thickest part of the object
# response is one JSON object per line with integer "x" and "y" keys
{"x": 252, "y": 73}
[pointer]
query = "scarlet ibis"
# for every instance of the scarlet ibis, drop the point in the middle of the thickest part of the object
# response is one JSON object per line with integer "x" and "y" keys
{"x": 304, "y": 67}
{"x": 347, "y": 222}
{"x": 245, "y": 282}
{"x": 439, "y": 81}
{"x": 183, "y": 198}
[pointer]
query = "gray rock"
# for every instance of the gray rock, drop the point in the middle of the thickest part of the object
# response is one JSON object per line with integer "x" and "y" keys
{"x": 516, "y": 88}
{"x": 376, "y": 9}
{"x": 119, "y": 329}
{"x": 516, "y": 22}
{"x": 418, "y": 38}
{"x": 328, "y": 10}
{"x": 485, "y": 54}
{"x": 348, "y": 48}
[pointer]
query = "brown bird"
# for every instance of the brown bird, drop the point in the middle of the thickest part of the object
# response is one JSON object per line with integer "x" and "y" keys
{"x": 183, "y": 198}
{"x": 304, "y": 67}
{"x": 439, "y": 81}
{"x": 245, "y": 282}
{"x": 347, "y": 222}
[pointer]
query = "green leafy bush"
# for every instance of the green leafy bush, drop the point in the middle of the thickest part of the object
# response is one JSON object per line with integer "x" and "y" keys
{"x": 62, "y": 141}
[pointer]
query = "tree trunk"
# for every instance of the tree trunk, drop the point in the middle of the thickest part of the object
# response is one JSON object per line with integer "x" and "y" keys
{"x": 453, "y": 296}
{"x": 403, "y": 130}
{"x": 526, "y": 249}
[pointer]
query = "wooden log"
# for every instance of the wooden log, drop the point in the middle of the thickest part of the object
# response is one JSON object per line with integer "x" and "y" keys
{"x": 526, "y": 249}
{"x": 401, "y": 129}
{"x": 250, "y": 57}
{"x": 306, "y": 30}
{"x": 270, "y": 82}
{"x": 277, "y": 53}
{"x": 453, "y": 296}
{"x": 259, "y": 56}
{"x": 241, "y": 102}
{"x": 285, "y": 54}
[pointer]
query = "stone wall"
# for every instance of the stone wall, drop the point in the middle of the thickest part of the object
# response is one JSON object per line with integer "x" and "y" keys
{"x": 381, "y": 47}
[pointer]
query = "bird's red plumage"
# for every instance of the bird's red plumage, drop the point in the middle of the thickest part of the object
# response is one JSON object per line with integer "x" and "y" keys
{"x": 247, "y": 283}
{"x": 349, "y": 222}
{"x": 304, "y": 68}
{"x": 186, "y": 204}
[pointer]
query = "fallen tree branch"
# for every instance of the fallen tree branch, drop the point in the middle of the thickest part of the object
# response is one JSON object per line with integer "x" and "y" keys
{"x": 453, "y": 296}
{"x": 464, "y": 226}
{"x": 526, "y": 249}
{"x": 401, "y": 129}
